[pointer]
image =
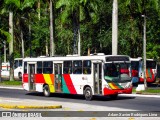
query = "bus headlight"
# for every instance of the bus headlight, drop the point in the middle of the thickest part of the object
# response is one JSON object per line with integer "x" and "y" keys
{"x": 128, "y": 85}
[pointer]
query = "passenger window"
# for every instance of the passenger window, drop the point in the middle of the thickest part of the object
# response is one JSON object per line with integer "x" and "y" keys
{"x": 39, "y": 67}
{"x": 67, "y": 67}
{"x": 25, "y": 67}
{"x": 86, "y": 67}
{"x": 48, "y": 67}
{"x": 77, "y": 67}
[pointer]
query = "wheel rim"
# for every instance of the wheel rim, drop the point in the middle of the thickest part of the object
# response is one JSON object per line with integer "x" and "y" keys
{"x": 46, "y": 91}
{"x": 88, "y": 94}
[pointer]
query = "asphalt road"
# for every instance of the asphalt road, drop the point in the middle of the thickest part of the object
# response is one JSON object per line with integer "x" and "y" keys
{"x": 123, "y": 102}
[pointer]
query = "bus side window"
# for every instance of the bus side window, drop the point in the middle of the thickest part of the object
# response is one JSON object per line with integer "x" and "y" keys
{"x": 77, "y": 67}
{"x": 25, "y": 67}
{"x": 39, "y": 67}
{"x": 67, "y": 67}
{"x": 48, "y": 67}
{"x": 86, "y": 67}
{"x": 15, "y": 64}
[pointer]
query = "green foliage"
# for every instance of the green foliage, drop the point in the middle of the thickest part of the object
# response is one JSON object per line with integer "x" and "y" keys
{"x": 14, "y": 82}
{"x": 6, "y": 34}
{"x": 92, "y": 17}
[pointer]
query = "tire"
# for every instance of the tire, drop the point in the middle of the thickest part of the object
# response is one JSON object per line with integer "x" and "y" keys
{"x": 46, "y": 91}
{"x": 113, "y": 97}
{"x": 20, "y": 75}
{"x": 88, "y": 94}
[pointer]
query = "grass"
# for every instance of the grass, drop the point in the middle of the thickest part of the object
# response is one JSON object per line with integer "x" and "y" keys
{"x": 148, "y": 91}
{"x": 7, "y": 82}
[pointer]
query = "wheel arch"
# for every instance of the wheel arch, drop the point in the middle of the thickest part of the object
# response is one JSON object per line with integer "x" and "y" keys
{"x": 86, "y": 87}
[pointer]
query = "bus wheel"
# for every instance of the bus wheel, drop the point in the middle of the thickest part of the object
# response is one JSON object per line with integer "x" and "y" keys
{"x": 20, "y": 75}
{"x": 88, "y": 93}
{"x": 46, "y": 91}
{"x": 113, "y": 96}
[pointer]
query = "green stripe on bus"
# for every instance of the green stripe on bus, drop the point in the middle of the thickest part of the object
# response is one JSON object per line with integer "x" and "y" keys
{"x": 118, "y": 85}
{"x": 64, "y": 86}
{"x": 149, "y": 72}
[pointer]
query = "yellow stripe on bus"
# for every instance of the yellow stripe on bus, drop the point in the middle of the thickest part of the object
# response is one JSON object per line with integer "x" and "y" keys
{"x": 112, "y": 86}
{"x": 48, "y": 80}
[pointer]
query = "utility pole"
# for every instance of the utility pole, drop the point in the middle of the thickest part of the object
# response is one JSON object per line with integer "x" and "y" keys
{"x": 144, "y": 51}
{"x": 4, "y": 51}
{"x": 115, "y": 28}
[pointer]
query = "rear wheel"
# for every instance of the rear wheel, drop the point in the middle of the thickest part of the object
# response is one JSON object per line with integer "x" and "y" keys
{"x": 46, "y": 91}
{"x": 88, "y": 93}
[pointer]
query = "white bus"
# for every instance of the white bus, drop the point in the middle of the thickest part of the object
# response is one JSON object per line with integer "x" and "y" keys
{"x": 5, "y": 72}
{"x": 104, "y": 75}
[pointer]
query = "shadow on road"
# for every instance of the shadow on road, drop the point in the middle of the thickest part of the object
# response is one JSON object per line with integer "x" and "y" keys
{"x": 79, "y": 97}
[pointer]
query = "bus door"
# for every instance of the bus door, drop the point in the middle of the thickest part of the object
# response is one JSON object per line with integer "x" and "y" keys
{"x": 31, "y": 76}
{"x": 97, "y": 78}
{"x": 58, "y": 77}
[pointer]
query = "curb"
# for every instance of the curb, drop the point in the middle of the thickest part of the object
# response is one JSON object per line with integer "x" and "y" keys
{"x": 140, "y": 95}
{"x": 12, "y": 87}
{"x": 29, "y": 107}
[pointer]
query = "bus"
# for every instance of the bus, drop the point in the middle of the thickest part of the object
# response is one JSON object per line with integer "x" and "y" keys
{"x": 100, "y": 74}
{"x": 5, "y": 72}
{"x": 138, "y": 73}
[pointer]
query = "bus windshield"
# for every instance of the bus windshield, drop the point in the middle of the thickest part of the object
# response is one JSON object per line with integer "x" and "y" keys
{"x": 134, "y": 65}
{"x": 151, "y": 64}
{"x": 117, "y": 72}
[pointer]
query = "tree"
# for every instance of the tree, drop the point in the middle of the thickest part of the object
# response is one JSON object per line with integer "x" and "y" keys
{"x": 11, "y": 5}
{"x": 52, "y": 28}
{"x": 79, "y": 12}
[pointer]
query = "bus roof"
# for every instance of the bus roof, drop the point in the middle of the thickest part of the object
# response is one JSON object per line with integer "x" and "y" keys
{"x": 72, "y": 57}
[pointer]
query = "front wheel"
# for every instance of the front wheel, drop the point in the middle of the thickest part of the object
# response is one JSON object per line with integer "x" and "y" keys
{"x": 88, "y": 93}
{"x": 46, "y": 91}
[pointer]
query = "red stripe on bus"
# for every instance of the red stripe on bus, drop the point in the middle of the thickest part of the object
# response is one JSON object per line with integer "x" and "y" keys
{"x": 25, "y": 78}
{"x": 69, "y": 83}
{"x": 39, "y": 78}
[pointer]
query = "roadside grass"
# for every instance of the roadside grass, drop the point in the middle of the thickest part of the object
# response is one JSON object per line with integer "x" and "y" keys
{"x": 7, "y": 82}
{"x": 148, "y": 91}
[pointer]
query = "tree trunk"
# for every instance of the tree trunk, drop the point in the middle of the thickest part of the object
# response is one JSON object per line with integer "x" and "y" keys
{"x": 22, "y": 40}
{"x": 115, "y": 28}
{"x": 11, "y": 54}
{"x": 52, "y": 46}
{"x": 39, "y": 9}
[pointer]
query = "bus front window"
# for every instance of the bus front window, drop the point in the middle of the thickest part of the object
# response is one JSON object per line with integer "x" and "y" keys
{"x": 124, "y": 71}
{"x": 117, "y": 72}
{"x": 111, "y": 71}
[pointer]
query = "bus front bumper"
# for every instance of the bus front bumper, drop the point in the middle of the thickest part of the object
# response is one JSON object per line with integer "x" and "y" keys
{"x": 107, "y": 91}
